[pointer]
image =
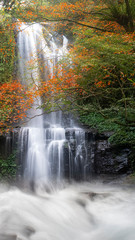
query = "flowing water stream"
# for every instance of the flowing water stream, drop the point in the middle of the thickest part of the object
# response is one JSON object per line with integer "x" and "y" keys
{"x": 79, "y": 212}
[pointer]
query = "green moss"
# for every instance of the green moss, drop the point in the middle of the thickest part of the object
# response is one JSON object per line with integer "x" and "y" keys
{"x": 8, "y": 168}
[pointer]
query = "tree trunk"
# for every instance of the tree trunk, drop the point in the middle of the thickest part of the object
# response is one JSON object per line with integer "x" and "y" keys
{"x": 131, "y": 23}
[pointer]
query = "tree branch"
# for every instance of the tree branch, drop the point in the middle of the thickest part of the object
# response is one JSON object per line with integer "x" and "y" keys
{"x": 76, "y": 22}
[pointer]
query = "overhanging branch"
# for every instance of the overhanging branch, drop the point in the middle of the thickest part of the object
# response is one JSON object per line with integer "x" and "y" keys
{"x": 76, "y": 22}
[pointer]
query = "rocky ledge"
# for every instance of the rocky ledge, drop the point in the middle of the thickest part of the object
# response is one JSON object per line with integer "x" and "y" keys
{"x": 110, "y": 159}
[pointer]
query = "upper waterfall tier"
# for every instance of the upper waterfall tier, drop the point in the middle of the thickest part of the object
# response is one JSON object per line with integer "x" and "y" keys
{"x": 33, "y": 47}
{"x": 51, "y": 146}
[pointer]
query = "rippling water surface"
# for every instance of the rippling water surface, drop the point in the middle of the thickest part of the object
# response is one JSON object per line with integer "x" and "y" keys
{"x": 74, "y": 212}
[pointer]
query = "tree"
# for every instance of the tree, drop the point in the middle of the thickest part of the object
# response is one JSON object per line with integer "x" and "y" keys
{"x": 15, "y": 100}
{"x": 7, "y": 47}
{"x": 8, "y": 4}
{"x": 122, "y": 12}
{"x": 130, "y": 16}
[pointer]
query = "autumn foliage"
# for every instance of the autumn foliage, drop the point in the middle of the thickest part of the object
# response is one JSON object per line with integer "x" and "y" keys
{"x": 15, "y": 100}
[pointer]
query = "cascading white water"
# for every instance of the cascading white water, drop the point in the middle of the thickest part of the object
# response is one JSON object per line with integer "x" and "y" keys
{"x": 45, "y": 137}
{"x": 79, "y": 212}
{"x": 29, "y": 44}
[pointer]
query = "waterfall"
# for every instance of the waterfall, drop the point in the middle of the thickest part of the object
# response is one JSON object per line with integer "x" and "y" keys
{"x": 51, "y": 146}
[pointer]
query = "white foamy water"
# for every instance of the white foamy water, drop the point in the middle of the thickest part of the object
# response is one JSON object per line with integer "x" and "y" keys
{"x": 45, "y": 153}
{"x": 79, "y": 212}
{"x": 40, "y": 153}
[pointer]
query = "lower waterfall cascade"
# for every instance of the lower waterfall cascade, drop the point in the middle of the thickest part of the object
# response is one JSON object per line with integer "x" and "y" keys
{"x": 80, "y": 212}
{"x": 51, "y": 146}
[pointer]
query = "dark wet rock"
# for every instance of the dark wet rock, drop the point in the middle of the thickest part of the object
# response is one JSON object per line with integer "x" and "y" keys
{"x": 93, "y": 195}
{"x": 46, "y": 124}
{"x": 81, "y": 202}
{"x": 103, "y": 135}
{"x": 110, "y": 159}
{"x": 28, "y": 231}
{"x": 2, "y": 145}
{"x": 8, "y": 237}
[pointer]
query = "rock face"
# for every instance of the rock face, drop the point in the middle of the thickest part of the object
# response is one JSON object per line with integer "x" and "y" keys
{"x": 94, "y": 156}
{"x": 103, "y": 158}
{"x": 110, "y": 159}
{"x": 2, "y": 145}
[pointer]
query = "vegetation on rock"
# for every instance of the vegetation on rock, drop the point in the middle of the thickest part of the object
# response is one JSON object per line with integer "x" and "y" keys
{"x": 8, "y": 168}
